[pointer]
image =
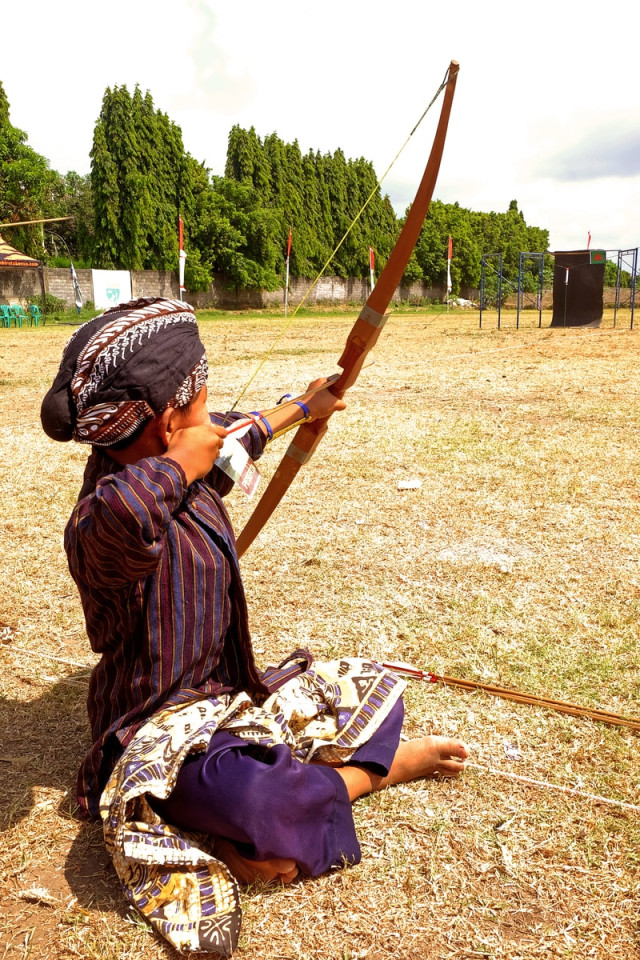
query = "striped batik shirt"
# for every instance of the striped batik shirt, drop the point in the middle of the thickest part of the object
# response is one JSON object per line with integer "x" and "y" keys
{"x": 156, "y": 566}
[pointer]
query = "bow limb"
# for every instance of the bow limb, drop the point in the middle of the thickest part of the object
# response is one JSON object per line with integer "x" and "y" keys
{"x": 364, "y": 333}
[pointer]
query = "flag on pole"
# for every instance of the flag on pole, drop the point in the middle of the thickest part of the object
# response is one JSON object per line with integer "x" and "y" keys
{"x": 77, "y": 293}
{"x": 182, "y": 258}
{"x": 589, "y": 239}
{"x": 371, "y": 268}
{"x": 286, "y": 283}
{"x": 449, "y": 259}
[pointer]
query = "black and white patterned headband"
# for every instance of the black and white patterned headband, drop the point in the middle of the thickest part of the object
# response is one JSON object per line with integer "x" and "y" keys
{"x": 124, "y": 367}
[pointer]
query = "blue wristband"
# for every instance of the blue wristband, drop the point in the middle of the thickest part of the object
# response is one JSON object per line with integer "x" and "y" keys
{"x": 261, "y": 417}
{"x": 268, "y": 426}
{"x": 304, "y": 408}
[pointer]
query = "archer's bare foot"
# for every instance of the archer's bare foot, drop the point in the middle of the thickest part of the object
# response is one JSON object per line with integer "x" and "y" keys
{"x": 427, "y": 757}
{"x": 249, "y": 871}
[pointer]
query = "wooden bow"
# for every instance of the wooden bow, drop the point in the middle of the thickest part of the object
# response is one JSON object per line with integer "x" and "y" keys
{"x": 365, "y": 331}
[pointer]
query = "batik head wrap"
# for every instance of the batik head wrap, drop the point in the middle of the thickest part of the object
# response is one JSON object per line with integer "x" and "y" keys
{"x": 122, "y": 368}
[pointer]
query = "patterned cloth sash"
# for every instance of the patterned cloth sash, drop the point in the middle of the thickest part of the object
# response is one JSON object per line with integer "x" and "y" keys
{"x": 172, "y": 877}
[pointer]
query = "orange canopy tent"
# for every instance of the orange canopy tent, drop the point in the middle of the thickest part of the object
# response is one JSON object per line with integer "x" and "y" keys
{"x": 10, "y": 257}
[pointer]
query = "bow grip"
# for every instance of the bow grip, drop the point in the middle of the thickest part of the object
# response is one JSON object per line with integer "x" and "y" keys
{"x": 362, "y": 338}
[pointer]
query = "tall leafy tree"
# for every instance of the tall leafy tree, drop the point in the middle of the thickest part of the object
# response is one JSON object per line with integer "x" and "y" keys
{"x": 105, "y": 183}
{"x": 142, "y": 180}
{"x": 246, "y": 160}
{"x": 312, "y": 249}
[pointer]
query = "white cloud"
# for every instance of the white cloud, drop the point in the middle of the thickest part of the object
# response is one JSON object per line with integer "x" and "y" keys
{"x": 611, "y": 149}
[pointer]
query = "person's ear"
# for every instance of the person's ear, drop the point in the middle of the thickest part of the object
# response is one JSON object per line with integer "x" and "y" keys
{"x": 165, "y": 426}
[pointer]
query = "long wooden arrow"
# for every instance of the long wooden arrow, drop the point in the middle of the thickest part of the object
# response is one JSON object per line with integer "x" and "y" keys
{"x": 561, "y": 706}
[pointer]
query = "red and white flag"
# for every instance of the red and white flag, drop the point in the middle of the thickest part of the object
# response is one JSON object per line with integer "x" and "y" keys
{"x": 286, "y": 282}
{"x": 449, "y": 259}
{"x": 589, "y": 239}
{"x": 371, "y": 267}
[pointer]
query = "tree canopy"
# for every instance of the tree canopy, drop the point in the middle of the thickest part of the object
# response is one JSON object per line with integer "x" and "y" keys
{"x": 125, "y": 212}
{"x": 141, "y": 180}
{"x": 321, "y": 197}
{"x": 473, "y": 234}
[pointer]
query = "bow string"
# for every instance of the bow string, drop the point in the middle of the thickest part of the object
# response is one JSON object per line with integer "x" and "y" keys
{"x": 365, "y": 331}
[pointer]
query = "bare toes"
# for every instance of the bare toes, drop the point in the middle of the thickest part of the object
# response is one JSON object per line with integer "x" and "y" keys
{"x": 454, "y": 749}
{"x": 450, "y": 768}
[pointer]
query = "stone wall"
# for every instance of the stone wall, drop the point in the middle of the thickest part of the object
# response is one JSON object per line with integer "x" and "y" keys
{"x": 155, "y": 283}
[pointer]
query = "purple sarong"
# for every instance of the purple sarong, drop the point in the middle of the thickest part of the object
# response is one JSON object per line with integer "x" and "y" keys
{"x": 272, "y": 805}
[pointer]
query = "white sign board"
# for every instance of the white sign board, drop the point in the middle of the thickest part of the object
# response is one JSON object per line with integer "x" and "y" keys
{"x": 110, "y": 287}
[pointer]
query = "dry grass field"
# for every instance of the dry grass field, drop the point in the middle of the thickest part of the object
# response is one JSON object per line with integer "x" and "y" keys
{"x": 515, "y": 561}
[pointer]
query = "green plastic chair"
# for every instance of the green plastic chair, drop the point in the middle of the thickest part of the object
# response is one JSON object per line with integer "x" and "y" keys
{"x": 36, "y": 314}
{"x": 19, "y": 314}
{"x": 5, "y": 315}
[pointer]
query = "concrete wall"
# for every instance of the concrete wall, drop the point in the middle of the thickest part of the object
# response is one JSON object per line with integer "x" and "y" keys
{"x": 17, "y": 285}
{"x": 57, "y": 282}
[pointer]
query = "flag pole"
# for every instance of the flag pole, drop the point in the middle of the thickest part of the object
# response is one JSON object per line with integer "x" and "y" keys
{"x": 77, "y": 294}
{"x": 286, "y": 284}
{"x": 449, "y": 259}
{"x": 181, "y": 258}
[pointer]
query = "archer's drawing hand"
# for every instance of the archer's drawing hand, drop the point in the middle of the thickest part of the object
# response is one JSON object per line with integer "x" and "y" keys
{"x": 196, "y": 448}
{"x": 322, "y": 403}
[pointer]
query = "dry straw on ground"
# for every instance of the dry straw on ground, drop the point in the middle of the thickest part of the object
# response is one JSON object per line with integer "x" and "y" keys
{"x": 512, "y": 557}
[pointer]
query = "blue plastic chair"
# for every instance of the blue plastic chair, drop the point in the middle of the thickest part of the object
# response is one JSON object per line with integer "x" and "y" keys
{"x": 5, "y": 315}
{"x": 36, "y": 314}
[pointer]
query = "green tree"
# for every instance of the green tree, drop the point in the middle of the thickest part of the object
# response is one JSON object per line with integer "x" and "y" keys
{"x": 29, "y": 189}
{"x": 108, "y": 210}
{"x": 235, "y": 236}
{"x": 4, "y": 106}
{"x": 142, "y": 179}
{"x": 73, "y": 239}
{"x": 474, "y": 233}
{"x": 246, "y": 161}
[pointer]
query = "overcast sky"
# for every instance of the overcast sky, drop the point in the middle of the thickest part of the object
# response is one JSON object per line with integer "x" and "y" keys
{"x": 547, "y": 107}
